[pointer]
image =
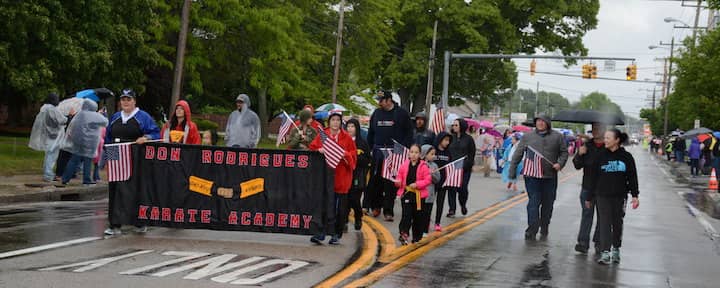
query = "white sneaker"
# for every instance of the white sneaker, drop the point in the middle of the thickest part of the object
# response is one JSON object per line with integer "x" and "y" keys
{"x": 111, "y": 231}
{"x": 141, "y": 229}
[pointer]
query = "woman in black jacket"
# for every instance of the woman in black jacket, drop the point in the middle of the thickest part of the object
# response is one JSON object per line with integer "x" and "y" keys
{"x": 615, "y": 176}
{"x": 461, "y": 145}
{"x": 359, "y": 181}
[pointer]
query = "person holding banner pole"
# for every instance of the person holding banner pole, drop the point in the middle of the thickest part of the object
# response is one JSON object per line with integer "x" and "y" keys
{"x": 544, "y": 152}
{"x": 340, "y": 155}
{"x": 301, "y": 137}
{"x": 130, "y": 124}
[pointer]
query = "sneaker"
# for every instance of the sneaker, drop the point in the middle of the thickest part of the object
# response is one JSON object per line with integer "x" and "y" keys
{"x": 376, "y": 212}
{"x": 317, "y": 239}
{"x": 92, "y": 184}
{"x": 582, "y": 248}
{"x": 451, "y": 214}
{"x": 111, "y": 231}
{"x": 615, "y": 254}
{"x": 358, "y": 225}
{"x": 438, "y": 228}
{"x": 605, "y": 258}
{"x": 61, "y": 185}
{"x": 335, "y": 240}
{"x": 463, "y": 210}
{"x": 141, "y": 229}
{"x": 403, "y": 238}
{"x": 389, "y": 218}
{"x": 544, "y": 232}
{"x": 529, "y": 236}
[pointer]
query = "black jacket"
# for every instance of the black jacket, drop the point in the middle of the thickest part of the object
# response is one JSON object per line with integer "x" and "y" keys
{"x": 364, "y": 160}
{"x": 586, "y": 161}
{"x": 388, "y": 125}
{"x": 423, "y": 135}
{"x": 463, "y": 145}
{"x": 614, "y": 175}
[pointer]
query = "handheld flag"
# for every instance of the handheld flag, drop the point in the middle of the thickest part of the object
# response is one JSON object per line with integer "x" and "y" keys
{"x": 333, "y": 151}
{"x": 454, "y": 174}
{"x": 284, "y": 129}
{"x": 119, "y": 162}
{"x": 532, "y": 165}
{"x": 438, "y": 122}
{"x": 393, "y": 159}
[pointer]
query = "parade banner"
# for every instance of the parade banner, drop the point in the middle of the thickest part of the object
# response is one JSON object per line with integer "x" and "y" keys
{"x": 223, "y": 188}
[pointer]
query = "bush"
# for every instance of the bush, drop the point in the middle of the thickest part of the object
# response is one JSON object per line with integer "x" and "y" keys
{"x": 206, "y": 125}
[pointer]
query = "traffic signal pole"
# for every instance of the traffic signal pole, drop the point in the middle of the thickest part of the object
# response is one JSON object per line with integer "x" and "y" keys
{"x": 449, "y": 56}
{"x": 669, "y": 82}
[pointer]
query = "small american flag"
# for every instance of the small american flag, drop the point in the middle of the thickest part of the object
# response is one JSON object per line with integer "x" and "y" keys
{"x": 393, "y": 159}
{"x": 284, "y": 129}
{"x": 532, "y": 165}
{"x": 119, "y": 162}
{"x": 333, "y": 152}
{"x": 454, "y": 174}
{"x": 438, "y": 122}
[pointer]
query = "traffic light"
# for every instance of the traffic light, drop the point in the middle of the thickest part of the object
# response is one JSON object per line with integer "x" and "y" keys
{"x": 593, "y": 71}
{"x": 532, "y": 68}
{"x": 631, "y": 72}
{"x": 586, "y": 71}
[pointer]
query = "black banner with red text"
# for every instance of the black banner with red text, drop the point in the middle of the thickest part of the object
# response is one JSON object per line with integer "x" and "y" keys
{"x": 223, "y": 188}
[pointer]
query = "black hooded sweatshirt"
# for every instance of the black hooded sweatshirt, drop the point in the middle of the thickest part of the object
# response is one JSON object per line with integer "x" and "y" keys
{"x": 463, "y": 145}
{"x": 364, "y": 160}
{"x": 587, "y": 160}
{"x": 388, "y": 125}
{"x": 442, "y": 157}
{"x": 614, "y": 175}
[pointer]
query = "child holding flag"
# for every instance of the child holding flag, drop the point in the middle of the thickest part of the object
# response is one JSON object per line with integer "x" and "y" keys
{"x": 412, "y": 180}
{"x": 427, "y": 153}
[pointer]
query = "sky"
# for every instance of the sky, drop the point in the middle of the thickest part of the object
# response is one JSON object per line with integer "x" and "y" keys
{"x": 625, "y": 29}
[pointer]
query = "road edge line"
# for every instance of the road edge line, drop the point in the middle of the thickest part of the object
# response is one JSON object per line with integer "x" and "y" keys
{"x": 46, "y": 247}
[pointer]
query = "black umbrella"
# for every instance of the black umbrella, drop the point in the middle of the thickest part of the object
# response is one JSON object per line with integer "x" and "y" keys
{"x": 103, "y": 93}
{"x": 696, "y": 132}
{"x": 588, "y": 117}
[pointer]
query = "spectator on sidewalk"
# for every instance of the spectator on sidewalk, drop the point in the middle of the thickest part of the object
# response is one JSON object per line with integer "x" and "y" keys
{"x": 694, "y": 155}
{"x": 82, "y": 139}
{"x": 47, "y": 130}
{"x": 130, "y": 124}
{"x": 585, "y": 158}
{"x": 509, "y": 151}
{"x": 679, "y": 147}
{"x": 243, "y": 126}
{"x": 614, "y": 177}
{"x": 541, "y": 187}
{"x": 181, "y": 128}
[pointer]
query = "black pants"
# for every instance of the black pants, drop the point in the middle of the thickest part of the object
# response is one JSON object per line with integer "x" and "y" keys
{"x": 694, "y": 167}
{"x": 427, "y": 212}
{"x": 411, "y": 217}
{"x": 114, "y": 223}
{"x": 62, "y": 160}
{"x": 382, "y": 193}
{"x": 462, "y": 192}
{"x": 439, "y": 201}
{"x": 610, "y": 221}
{"x": 341, "y": 212}
{"x": 354, "y": 203}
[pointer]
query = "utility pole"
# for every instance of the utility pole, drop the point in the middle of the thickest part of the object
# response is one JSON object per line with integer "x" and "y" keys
{"x": 180, "y": 58}
{"x": 653, "y": 102}
{"x": 537, "y": 99}
{"x": 697, "y": 18}
{"x": 669, "y": 83}
{"x": 338, "y": 48}
{"x": 431, "y": 69}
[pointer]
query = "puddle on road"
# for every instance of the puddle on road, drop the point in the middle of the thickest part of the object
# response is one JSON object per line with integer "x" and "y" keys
{"x": 535, "y": 274}
{"x": 697, "y": 196}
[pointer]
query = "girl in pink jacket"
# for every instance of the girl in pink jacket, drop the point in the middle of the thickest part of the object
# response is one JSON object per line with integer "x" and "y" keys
{"x": 412, "y": 180}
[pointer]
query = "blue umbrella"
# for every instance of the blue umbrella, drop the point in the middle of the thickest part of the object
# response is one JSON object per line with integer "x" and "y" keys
{"x": 94, "y": 94}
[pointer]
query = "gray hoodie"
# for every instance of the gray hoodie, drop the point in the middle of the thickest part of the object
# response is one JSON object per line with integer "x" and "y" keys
{"x": 550, "y": 145}
{"x": 243, "y": 127}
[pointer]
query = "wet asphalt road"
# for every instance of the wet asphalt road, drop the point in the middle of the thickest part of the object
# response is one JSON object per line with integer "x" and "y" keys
{"x": 664, "y": 246}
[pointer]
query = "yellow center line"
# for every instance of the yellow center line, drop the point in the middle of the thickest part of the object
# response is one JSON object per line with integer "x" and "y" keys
{"x": 412, "y": 256}
{"x": 387, "y": 242}
{"x": 365, "y": 260}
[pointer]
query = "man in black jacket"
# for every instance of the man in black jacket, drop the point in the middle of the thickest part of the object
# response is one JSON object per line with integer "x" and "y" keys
{"x": 587, "y": 154}
{"x": 387, "y": 123}
{"x": 461, "y": 145}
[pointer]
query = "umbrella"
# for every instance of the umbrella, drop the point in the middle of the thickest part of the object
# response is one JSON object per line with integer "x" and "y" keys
{"x": 502, "y": 128}
{"x": 331, "y": 107}
{"x": 94, "y": 94}
{"x": 521, "y": 128}
{"x": 697, "y": 131}
{"x": 588, "y": 117}
{"x": 716, "y": 134}
{"x": 676, "y": 133}
{"x": 473, "y": 123}
{"x": 486, "y": 124}
{"x": 493, "y": 133}
{"x": 703, "y": 137}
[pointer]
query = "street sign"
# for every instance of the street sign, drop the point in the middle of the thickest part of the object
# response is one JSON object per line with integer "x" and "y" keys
{"x": 609, "y": 65}
{"x": 697, "y": 124}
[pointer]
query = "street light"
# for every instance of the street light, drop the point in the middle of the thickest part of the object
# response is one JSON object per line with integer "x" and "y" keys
{"x": 671, "y": 19}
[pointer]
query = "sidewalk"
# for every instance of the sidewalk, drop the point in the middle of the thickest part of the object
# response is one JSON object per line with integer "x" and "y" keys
{"x": 31, "y": 188}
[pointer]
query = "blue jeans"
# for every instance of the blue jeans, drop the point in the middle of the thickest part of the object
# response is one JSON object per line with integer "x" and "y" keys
{"x": 51, "y": 155}
{"x": 541, "y": 194}
{"x": 679, "y": 156}
{"x": 586, "y": 222}
{"x": 73, "y": 165}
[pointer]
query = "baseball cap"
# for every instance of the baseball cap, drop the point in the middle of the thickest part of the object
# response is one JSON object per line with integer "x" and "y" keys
{"x": 128, "y": 93}
{"x": 383, "y": 94}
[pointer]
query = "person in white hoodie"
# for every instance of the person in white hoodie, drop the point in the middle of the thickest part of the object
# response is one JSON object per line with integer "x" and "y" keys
{"x": 47, "y": 129}
{"x": 243, "y": 126}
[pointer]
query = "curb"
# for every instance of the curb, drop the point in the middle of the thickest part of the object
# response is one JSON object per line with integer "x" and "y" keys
{"x": 67, "y": 194}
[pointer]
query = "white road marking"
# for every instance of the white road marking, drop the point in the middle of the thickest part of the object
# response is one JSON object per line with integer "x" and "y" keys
{"x": 212, "y": 266}
{"x": 46, "y": 247}
{"x": 709, "y": 229}
{"x": 187, "y": 257}
{"x": 233, "y": 276}
{"x": 94, "y": 264}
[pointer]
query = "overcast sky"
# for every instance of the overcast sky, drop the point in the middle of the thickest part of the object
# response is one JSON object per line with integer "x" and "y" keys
{"x": 625, "y": 29}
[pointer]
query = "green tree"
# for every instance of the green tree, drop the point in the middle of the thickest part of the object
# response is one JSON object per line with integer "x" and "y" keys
{"x": 598, "y": 101}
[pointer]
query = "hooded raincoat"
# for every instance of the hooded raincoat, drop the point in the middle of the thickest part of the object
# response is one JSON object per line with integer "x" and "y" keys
{"x": 48, "y": 126}
{"x": 83, "y": 133}
{"x": 243, "y": 126}
{"x": 185, "y": 134}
